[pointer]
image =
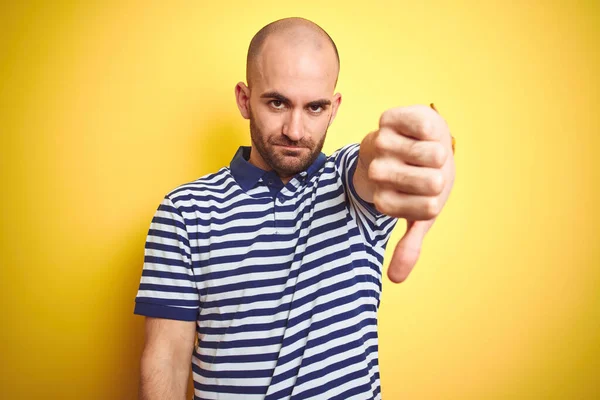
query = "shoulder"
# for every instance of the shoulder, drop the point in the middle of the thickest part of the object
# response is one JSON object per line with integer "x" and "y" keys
{"x": 210, "y": 185}
{"x": 345, "y": 150}
{"x": 343, "y": 156}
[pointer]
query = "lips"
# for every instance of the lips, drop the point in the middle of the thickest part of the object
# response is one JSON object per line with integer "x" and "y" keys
{"x": 287, "y": 146}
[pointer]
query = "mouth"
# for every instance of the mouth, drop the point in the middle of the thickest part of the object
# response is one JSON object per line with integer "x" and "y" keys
{"x": 288, "y": 147}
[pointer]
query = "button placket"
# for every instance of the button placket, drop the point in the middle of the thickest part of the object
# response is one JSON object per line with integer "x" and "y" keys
{"x": 280, "y": 228}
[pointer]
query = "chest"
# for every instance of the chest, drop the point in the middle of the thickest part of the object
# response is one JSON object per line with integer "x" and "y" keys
{"x": 259, "y": 258}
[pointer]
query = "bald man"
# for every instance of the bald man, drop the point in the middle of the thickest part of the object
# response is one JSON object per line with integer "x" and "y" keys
{"x": 274, "y": 263}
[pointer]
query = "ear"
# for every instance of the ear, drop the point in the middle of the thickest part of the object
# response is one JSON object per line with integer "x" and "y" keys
{"x": 335, "y": 104}
{"x": 242, "y": 97}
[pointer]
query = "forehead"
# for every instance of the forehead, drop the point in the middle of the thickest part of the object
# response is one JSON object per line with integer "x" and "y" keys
{"x": 302, "y": 70}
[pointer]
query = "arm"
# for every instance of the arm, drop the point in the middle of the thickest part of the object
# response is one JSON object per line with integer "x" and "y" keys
{"x": 166, "y": 359}
{"x": 363, "y": 185}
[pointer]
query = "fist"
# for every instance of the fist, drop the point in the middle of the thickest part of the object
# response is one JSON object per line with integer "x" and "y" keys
{"x": 409, "y": 163}
{"x": 412, "y": 172}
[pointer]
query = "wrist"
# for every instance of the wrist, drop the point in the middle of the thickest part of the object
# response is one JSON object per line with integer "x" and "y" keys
{"x": 366, "y": 153}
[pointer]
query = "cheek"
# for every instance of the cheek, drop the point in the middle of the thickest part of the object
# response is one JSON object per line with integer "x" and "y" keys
{"x": 316, "y": 126}
{"x": 271, "y": 125}
{"x": 268, "y": 123}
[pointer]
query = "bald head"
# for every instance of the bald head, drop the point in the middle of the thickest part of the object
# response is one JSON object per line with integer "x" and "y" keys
{"x": 296, "y": 34}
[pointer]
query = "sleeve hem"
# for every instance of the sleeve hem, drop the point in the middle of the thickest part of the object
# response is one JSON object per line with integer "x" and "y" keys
{"x": 160, "y": 311}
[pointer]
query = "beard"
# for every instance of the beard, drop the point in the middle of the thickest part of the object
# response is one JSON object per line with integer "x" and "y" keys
{"x": 285, "y": 162}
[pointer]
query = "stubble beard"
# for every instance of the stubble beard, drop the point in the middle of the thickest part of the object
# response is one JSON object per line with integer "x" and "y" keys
{"x": 285, "y": 163}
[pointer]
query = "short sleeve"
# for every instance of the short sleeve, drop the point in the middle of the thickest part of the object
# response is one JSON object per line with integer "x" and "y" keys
{"x": 167, "y": 286}
{"x": 375, "y": 226}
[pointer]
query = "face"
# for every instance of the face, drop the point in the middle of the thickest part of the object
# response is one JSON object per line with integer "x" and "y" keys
{"x": 282, "y": 154}
{"x": 290, "y": 105}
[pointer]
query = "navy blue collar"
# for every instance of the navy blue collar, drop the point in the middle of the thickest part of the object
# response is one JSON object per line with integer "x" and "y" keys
{"x": 247, "y": 175}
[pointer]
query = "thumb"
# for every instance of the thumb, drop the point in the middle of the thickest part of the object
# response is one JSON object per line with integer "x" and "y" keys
{"x": 407, "y": 251}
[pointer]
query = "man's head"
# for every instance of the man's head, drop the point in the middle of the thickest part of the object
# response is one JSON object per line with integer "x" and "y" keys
{"x": 291, "y": 71}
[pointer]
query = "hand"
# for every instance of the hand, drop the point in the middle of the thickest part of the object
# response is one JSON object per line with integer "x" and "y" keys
{"x": 412, "y": 168}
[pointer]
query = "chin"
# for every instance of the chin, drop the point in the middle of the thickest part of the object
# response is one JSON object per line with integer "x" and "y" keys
{"x": 292, "y": 168}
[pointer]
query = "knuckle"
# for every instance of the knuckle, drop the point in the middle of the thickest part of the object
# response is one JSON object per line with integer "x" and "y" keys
{"x": 438, "y": 155}
{"x": 385, "y": 118}
{"x": 380, "y": 143}
{"x": 427, "y": 127}
{"x": 380, "y": 202}
{"x": 374, "y": 171}
{"x": 431, "y": 209}
{"x": 436, "y": 183}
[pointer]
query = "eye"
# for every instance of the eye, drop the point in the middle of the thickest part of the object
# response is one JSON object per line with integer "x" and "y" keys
{"x": 277, "y": 104}
{"x": 315, "y": 109}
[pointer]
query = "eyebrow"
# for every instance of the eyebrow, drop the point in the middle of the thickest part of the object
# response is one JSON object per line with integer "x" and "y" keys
{"x": 283, "y": 99}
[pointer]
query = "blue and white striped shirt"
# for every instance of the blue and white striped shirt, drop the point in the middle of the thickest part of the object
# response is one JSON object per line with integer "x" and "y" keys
{"x": 284, "y": 281}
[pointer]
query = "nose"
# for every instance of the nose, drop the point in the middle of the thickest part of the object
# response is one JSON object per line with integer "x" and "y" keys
{"x": 293, "y": 128}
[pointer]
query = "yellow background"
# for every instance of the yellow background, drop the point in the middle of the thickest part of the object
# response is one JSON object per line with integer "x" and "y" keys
{"x": 106, "y": 106}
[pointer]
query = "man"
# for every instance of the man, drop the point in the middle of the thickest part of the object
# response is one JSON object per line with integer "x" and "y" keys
{"x": 276, "y": 260}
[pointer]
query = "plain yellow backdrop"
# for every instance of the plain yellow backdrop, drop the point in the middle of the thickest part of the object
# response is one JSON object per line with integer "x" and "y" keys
{"x": 106, "y": 106}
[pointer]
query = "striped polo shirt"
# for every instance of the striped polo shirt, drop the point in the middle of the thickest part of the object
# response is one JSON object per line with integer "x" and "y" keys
{"x": 283, "y": 281}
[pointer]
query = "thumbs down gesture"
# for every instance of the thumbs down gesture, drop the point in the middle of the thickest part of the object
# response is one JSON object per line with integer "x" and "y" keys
{"x": 406, "y": 168}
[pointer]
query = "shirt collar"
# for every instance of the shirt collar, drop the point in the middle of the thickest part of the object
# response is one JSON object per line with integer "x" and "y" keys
{"x": 247, "y": 175}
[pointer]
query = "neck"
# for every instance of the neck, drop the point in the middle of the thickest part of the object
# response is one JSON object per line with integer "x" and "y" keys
{"x": 256, "y": 160}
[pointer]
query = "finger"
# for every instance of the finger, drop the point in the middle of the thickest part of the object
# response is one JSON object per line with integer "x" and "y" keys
{"x": 407, "y": 251}
{"x": 411, "y": 151}
{"x": 402, "y": 205}
{"x": 419, "y": 122}
{"x": 406, "y": 178}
